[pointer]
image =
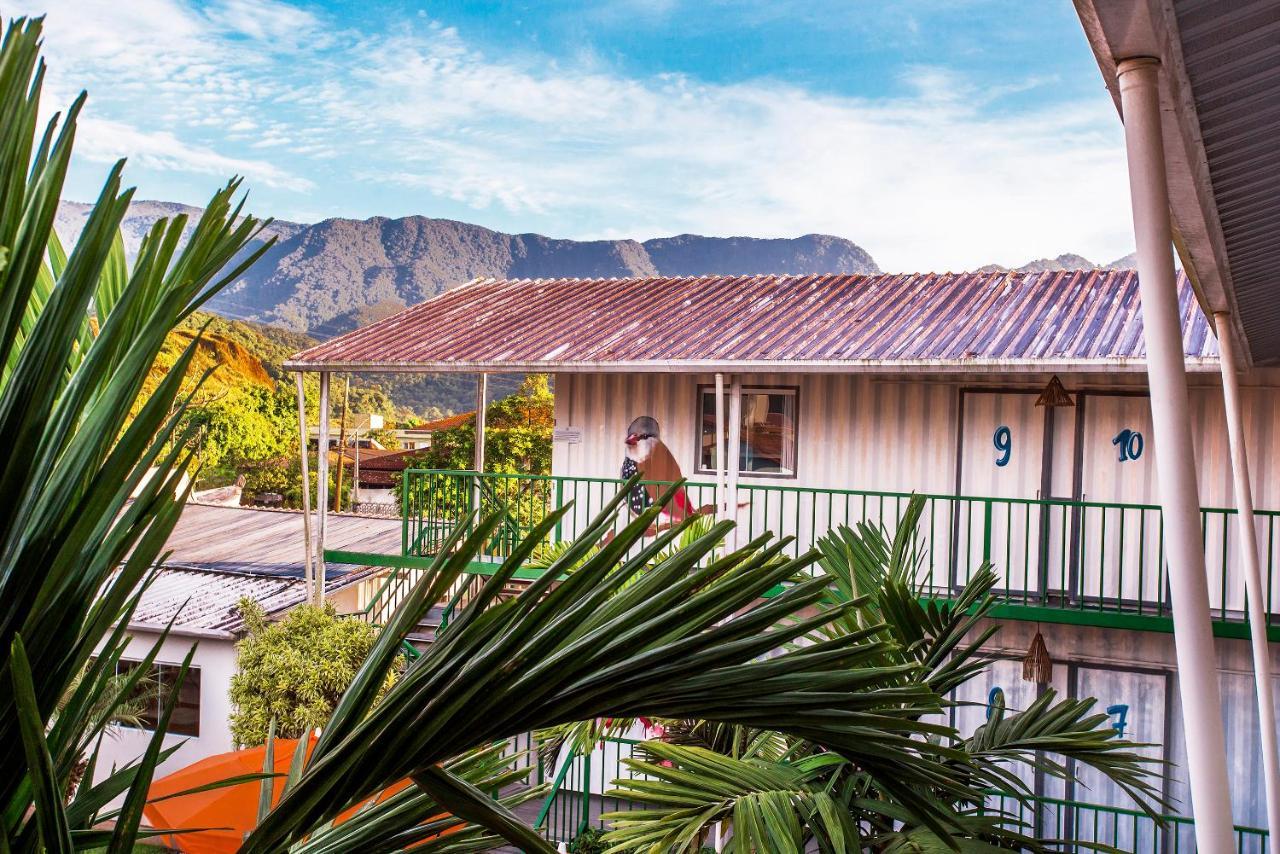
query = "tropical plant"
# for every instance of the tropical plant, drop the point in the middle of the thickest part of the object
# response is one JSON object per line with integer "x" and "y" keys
{"x": 79, "y": 332}
{"x": 292, "y": 673}
{"x": 780, "y": 792}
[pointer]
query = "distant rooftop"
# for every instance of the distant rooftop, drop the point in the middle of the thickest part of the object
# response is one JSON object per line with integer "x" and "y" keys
{"x": 1007, "y": 321}
{"x": 205, "y": 601}
{"x": 269, "y": 542}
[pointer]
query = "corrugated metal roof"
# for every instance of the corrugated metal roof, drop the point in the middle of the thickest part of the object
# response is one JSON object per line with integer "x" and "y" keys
{"x": 205, "y": 600}
{"x": 1230, "y": 54}
{"x": 1087, "y": 319}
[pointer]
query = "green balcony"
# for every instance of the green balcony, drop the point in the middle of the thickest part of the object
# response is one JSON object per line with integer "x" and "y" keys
{"x": 1082, "y": 562}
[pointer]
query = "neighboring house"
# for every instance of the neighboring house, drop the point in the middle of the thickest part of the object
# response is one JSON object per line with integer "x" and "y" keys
{"x": 220, "y": 555}
{"x": 1016, "y": 402}
{"x": 379, "y": 476}
{"x": 419, "y": 438}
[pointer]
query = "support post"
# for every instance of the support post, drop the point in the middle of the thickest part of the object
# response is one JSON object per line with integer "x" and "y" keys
{"x": 303, "y": 441}
{"x": 1175, "y": 456}
{"x": 355, "y": 473}
{"x": 1255, "y": 589}
{"x": 482, "y": 395}
{"x": 721, "y": 505}
{"x": 735, "y": 454}
{"x": 342, "y": 447}
{"x": 322, "y": 487}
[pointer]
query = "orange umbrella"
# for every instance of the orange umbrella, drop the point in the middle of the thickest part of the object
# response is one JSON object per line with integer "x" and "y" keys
{"x": 232, "y": 810}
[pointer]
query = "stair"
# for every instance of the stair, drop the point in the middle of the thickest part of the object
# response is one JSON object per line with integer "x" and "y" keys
{"x": 424, "y": 634}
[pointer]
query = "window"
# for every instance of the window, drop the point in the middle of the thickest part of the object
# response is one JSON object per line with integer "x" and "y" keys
{"x": 768, "y": 443}
{"x": 152, "y": 693}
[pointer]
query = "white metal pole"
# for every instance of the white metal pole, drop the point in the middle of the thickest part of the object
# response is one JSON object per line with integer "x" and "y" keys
{"x": 305, "y": 440}
{"x": 355, "y": 481}
{"x": 322, "y": 487}
{"x": 735, "y": 454}
{"x": 721, "y": 507}
{"x": 1175, "y": 456}
{"x": 1253, "y": 584}
{"x": 482, "y": 393}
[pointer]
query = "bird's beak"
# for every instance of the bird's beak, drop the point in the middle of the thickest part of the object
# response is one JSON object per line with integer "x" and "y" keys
{"x": 632, "y": 439}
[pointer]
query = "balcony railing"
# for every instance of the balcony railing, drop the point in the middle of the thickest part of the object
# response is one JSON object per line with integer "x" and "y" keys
{"x": 1086, "y": 562}
{"x": 581, "y": 784}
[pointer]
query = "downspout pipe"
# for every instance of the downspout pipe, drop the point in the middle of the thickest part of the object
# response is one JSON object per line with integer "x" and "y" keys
{"x": 1255, "y": 590}
{"x": 1175, "y": 456}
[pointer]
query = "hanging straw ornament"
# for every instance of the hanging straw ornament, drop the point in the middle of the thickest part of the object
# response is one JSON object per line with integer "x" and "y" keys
{"x": 1037, "y": 665}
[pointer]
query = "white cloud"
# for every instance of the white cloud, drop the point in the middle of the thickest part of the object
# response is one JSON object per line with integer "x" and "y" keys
{"x": 107, "y": 141}
{"x": 936, "y": 179}
{"x": 942, "y": 177}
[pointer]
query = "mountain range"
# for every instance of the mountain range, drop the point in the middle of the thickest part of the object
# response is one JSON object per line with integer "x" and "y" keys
{"x": 328, "y": 277}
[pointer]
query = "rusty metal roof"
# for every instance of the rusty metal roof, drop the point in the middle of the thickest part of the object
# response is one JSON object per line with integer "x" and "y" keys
{"x": 1062, "y": 320}
{"x": 204, "y": 601}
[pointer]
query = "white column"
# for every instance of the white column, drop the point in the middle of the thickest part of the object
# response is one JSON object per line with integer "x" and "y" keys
{"x": 1175, "y": 457}
{"x": 721, "y": 507}
{"x": 322, "y": 487}
{"x": 1253, "y": 584}
{"x": 305, "y": 440}
{"x": 735, "y": 455}
{"x": 482, "y": 392}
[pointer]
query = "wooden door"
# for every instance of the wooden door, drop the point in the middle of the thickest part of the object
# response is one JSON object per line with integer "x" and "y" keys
{"x": 1119, "y": 548}
{"x": 1000, "y": 477}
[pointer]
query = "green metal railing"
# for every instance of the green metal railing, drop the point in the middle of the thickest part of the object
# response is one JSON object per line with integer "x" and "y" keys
{"x": 578, "y": 795}
{"x": 1119, "y": 827}
{"x": 578, "y": 798}
{"x": 1086, "y": 561}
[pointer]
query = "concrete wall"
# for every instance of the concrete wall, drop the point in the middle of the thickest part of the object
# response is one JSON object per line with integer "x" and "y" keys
{"x": 216, "y": 659}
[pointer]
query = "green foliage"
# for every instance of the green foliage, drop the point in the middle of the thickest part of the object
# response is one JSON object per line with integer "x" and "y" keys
{"x": 517, "y": 434}
{"x": 782, "y": 791}
{"x": 293, "y": 672}
{"x": 589, "y": 841}
{"x": 84, "y": 426}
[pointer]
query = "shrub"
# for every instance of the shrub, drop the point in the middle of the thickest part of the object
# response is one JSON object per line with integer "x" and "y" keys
{"x": 294, "y": 670}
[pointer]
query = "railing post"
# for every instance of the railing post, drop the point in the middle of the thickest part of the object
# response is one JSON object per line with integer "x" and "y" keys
{"x": 986, "y": 531}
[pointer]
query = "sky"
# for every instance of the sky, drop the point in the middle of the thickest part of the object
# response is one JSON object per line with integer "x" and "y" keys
{"x": 936, "y": 134}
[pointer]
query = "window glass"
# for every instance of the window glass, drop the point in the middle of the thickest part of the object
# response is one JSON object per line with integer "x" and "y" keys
{"x": 152, "y": 693}
{"x": 768, "y": 442}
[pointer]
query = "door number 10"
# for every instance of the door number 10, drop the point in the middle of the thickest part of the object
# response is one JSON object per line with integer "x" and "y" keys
{"x": 1130, "y": 444}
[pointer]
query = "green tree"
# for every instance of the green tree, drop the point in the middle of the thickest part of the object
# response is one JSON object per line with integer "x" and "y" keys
{"x": 94, "y": 458}
{"x": 294, "y": 671}
{"x": 517, "y": 434}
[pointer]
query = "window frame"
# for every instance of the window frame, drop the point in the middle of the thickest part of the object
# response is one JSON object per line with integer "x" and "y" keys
{"x": 158, "y": 671}
{"x": 709, "y": 388}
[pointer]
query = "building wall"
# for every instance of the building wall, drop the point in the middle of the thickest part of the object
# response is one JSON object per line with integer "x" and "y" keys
{"x": 1137, "y": 670}
{"x": 934, "y": 435}
{"x": 216, "y": 659}
{"x": 937, "y": 435}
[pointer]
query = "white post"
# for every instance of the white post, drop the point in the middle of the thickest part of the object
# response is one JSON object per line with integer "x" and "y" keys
{"x": 322, "y": 487}
{"x": 721, "y": 507}
{"x": 1253, "y": 584}
{"x": 306, "y": 484}
{"x": 355, "y": 481}
{"x": 735, "y": 454}
{"x": 1175, "y": 456}
{"x": 482, "y": 392}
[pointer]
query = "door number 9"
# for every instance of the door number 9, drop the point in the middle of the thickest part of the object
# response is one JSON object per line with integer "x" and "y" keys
{"x": 1130, "y": 444}
{"x": 1003, "y": 440}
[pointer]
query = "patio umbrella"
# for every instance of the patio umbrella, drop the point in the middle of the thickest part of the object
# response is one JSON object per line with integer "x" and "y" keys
{"x": 230, "y": 812}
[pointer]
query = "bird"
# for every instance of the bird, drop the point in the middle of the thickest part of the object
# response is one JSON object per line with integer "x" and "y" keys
{"x": 644, "y": 453}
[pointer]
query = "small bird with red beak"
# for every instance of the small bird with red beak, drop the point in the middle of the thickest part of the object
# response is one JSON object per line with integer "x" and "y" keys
{"x": 645, "y": 453}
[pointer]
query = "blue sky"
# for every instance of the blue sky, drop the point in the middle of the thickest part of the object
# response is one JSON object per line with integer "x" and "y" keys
{"x": 938, "y": 134}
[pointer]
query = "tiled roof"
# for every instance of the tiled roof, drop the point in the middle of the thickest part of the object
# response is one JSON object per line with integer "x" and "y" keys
{"x": 1089, "y": 319}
